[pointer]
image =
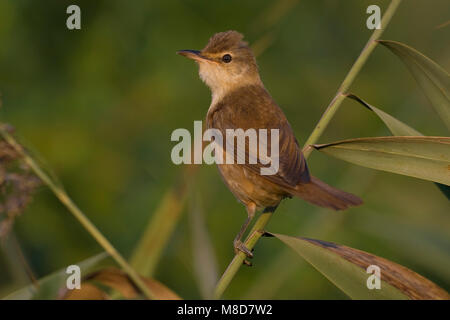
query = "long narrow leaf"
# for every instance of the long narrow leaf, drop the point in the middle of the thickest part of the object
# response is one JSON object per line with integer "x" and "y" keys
{"x": 422, "y": 244}
{"x": 116, "y": 279}
{"x": 434, "y": 80}
{"x": 159, "y": 229}
{"x": 397, "y": 128}
{"x": 48, "y": 286}
{"x": 426, "y": 158}
{"x": 347, "y": 269}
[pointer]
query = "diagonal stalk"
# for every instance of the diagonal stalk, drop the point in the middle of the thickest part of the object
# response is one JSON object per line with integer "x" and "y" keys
{"x": 79, "y": 215}
{"x": 364, "y": 55}
{"x": 260, "y": 224}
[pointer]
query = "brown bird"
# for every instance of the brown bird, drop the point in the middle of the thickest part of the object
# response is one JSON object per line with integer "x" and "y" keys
{"x": 239, "y": 100}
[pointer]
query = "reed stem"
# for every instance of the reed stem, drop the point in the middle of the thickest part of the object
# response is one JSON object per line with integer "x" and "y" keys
{"x": 79, "y": 215}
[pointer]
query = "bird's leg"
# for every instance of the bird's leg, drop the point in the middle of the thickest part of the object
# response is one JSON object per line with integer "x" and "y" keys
{"x": 237, "y": 243}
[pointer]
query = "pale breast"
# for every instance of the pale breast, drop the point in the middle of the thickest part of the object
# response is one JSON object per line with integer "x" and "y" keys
{"x": 249, "y": 187}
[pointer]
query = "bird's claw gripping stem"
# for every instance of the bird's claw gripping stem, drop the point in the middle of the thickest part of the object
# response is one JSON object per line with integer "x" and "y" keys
{"x": 239, "y": 246}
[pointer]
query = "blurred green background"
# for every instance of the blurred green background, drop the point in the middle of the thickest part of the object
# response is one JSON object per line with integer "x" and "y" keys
{"x": 99, "y": 105}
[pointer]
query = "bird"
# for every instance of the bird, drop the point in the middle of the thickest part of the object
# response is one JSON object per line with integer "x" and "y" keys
{"x": 239, "y": 100}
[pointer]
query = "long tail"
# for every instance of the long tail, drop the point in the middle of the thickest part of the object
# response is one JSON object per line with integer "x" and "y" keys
{"x": 319, "y": 193}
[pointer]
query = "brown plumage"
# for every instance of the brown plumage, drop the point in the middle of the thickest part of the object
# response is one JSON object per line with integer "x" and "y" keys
{"x": 223, "y": 41}
{"x": 240, "y": 101}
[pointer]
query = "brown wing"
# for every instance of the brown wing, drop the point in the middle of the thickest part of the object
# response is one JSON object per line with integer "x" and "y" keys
{"x": 252, "y": 107}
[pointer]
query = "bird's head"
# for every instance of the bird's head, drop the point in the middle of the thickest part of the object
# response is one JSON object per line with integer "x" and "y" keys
{"x": 226, "y": 63}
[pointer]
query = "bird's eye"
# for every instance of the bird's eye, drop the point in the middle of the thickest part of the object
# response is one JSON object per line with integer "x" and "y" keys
{"x": 226, "y": 58}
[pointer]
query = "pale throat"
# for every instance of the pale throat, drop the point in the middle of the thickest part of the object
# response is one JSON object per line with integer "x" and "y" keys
{"x": 222, "y": 82}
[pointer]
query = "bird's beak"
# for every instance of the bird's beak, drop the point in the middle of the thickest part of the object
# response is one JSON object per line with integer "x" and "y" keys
{"x": 192, "y": 54}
